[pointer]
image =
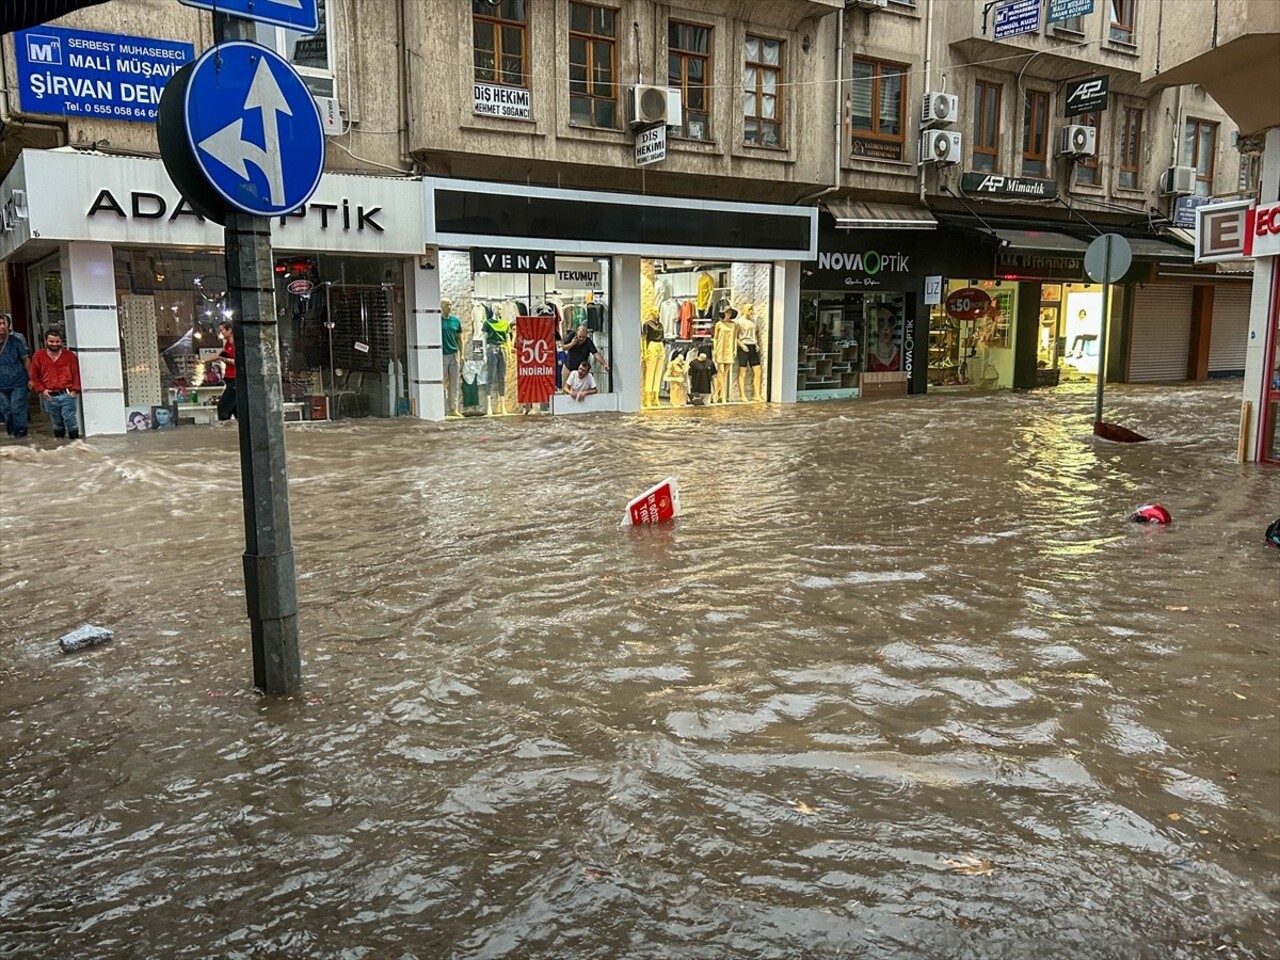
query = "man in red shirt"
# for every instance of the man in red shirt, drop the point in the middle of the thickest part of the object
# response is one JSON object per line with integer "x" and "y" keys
{"x": 55, "y": 375}
{"x": 227, "y": 402}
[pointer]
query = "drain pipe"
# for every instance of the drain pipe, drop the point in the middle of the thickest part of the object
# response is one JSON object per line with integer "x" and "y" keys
{"x": 928, "y": 75}
{"x": 839, "y": 118}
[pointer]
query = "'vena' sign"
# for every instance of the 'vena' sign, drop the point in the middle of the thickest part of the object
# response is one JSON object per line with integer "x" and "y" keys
{"x": 967, "y": 304}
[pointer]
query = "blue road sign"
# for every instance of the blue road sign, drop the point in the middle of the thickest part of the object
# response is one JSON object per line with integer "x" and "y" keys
{"x": 1018, "y": 17}
{"x": 300, "y": 15}
{"x": 254, "y": 128}
{"x": 86, "y": 74}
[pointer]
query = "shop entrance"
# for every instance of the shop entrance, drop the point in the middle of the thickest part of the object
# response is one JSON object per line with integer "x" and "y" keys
{"x": 704, "y": 333}
{"x": 480, "y": 310}
{"x": 849, "y": 341}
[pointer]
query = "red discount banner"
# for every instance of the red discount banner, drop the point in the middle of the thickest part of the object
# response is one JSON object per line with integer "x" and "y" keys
{"x": 967, "y": 304}
{"x": 535, "y": 359}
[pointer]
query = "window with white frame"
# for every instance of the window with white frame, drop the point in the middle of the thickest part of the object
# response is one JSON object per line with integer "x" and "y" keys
{"x": 310, "y": 54}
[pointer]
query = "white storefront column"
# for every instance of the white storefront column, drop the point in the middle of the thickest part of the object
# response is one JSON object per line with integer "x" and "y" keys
{"x": 625, "y": 310}
{"x": 426, "y": 364}
{"x": 1260, "y": 308}
{"x": 93, "y": 332}
{"x": 786, "y": 331}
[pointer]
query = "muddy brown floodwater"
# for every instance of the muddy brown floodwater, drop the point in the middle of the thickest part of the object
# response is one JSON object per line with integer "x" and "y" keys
{"x": 903, "y": 682}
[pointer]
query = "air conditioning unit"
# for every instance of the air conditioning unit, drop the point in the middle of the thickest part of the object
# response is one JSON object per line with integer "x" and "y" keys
{"x": 940, "y": 146}
{"x": 648, "y": 105}
{"x": 867, "y": 4}
{"x": 1178, "y": 180}
{"x": 1079, "y": 141}
{"x": 938, "y": 109}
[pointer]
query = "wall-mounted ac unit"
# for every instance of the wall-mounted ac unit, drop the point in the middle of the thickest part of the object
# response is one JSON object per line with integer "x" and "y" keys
{"x": 1078, "y": 141}
{"x": 1178, "y": 180}
{"x": 646, "y": 105}
{"x": 867, "y": 4}
{"x": 940, "y": 146}
{"x": 938, "y": 109}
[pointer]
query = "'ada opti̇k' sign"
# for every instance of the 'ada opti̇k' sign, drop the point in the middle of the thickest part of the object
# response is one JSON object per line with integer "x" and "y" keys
{"x": 86, "y": 74}
{"x": 535, "y": 359}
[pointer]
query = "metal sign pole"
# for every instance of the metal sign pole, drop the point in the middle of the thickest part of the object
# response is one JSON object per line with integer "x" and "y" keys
{"x": 1102, "y": 334}
{"x": 269, "y": 577}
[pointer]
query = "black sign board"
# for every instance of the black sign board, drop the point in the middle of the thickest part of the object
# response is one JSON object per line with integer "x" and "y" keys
{"x": 485, "y": 260}
{"x": 1086, "y": 96}
{"x": 994, "y": 185}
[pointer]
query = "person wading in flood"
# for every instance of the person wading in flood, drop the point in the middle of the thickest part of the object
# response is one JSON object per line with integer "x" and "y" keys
{"x": 15, "y": 371}
{"x": 227, "y": 401}
{"x": 55, "y": 375}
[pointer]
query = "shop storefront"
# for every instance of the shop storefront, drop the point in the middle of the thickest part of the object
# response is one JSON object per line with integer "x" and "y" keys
{"x": 865, "y": 329}
{"x": 670, "y": 302}
{"x": 118, "y": 259}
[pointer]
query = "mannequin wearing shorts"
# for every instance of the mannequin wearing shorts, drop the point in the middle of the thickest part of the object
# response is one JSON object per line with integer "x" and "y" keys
{"x": 748, "y": 355}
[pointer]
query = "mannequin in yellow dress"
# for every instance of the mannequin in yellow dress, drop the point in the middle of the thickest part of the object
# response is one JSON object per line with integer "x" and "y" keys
{"x": 724, "y": 348}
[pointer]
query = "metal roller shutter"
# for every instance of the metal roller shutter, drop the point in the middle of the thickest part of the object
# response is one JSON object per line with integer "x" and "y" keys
{"x": 1161, "y": 332}
{"x": 1229, "y": 336}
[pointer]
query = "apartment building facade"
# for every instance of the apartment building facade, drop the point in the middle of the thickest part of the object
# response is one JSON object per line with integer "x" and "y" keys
{"x": 482, "y": 165}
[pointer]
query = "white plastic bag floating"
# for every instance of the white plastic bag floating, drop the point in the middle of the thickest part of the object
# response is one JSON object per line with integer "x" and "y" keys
{"x": 658, "y": 504}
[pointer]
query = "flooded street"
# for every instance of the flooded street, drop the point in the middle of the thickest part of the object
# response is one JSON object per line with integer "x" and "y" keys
{"x": 902, "y": 682}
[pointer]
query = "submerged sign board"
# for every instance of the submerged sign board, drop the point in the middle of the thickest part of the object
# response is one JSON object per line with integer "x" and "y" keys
{"x": 104, "y": 75}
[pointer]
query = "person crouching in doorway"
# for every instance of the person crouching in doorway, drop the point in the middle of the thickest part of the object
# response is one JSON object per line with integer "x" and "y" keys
{"x": 581, "y": 384}
{"x": 55, "y": 375}
{"x": 227, "y": 400}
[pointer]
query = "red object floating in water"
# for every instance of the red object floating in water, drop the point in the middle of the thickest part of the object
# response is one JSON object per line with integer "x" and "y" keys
{"x": 1151, "y": 513}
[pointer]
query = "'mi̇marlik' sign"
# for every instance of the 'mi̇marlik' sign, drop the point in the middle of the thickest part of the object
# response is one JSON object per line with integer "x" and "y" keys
{"x": 82, "y": 73}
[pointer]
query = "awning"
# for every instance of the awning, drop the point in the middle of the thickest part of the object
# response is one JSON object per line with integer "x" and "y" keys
{"x": 1039, "y": 241}
{"x": 862, "y": 215}
{"x": 1149, "y": 249}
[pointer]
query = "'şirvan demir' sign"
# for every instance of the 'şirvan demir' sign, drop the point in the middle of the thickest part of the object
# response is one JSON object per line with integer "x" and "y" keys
{"x": 105, "y": 75}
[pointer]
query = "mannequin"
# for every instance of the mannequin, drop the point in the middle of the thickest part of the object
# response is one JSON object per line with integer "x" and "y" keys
{"x": 724, "y": 344}
{"x": 497, "y": 335}
{"x": 749, "y": 355}
{"x": 450, "y": 350}
{"x": 652, "y": 354}
{"x": 676, "y": 371}
{"x": 701, "y": 373}
{"x": 705, "y": 286}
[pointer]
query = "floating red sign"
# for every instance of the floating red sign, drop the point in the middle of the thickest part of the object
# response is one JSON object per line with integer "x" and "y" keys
{"x": 656, "y": 505}
{"x": 301, "y": 287}
{"x": 535, "y": 359}
{"x": 967, "y": 304}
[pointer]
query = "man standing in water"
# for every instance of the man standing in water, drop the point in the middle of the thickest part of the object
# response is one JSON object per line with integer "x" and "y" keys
{"x": 15, "y": 371}
{"x": 227, "y": 401}
{"x": 55, "y": 375}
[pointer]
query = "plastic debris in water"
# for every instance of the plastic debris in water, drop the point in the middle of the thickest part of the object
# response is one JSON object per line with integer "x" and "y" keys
{"x": 1151, "y": 513}
{"x": 85, "y": 635}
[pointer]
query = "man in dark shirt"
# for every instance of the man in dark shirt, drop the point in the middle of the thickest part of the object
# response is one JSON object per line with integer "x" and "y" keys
{"x": 579, "y": 348}
{"x": 15, "y": 367}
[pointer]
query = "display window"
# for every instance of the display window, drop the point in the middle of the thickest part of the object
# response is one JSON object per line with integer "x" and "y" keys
{"x": 846, "y": 335}
{"x": 480, "y": 316}
{"x": 704, "y": 333}
{"x": 342, "y": 353}
{"x": 972, "y": 345}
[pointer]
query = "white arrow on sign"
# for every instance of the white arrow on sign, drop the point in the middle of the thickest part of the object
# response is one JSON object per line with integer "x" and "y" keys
{"x": 229, "y": 147}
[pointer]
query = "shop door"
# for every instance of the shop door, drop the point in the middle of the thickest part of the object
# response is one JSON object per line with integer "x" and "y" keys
{"x": 1229, "y": 337}
{"x": 45, "y": 285}
{"x": 1161, "y": 340}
